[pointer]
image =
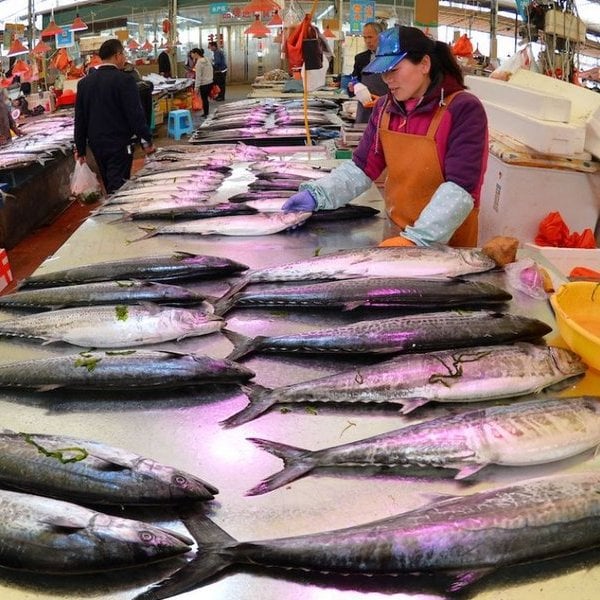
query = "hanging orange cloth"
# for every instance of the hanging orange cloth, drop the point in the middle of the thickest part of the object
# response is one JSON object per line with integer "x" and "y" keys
{"x": 463, "y": 47}
{"x": 293, "y": 44}
{"x": 61, "y": 60}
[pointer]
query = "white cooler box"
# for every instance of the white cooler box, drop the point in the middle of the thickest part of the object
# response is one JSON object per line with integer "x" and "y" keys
{"x": 515, "y": 199}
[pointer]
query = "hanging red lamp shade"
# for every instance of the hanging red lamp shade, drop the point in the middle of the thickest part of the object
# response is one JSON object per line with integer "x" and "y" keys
{"x": 260, "y": 6}
{"x": 16, "y": 48}
{"x": 6, "y": 81}
{"x": 52, "y": 28}
{"x": 258, "y": 28}
{"x": 41, "y": 48}
{"x": 328, "y": 33}
{"x": 20, "y": 67}
{"x": 78, "y": 24}
{"x": 147, "y": 46}
{"x": 166, "y": 26}
{"x": 133, "y": 45}
{"x": 276, "y": 20}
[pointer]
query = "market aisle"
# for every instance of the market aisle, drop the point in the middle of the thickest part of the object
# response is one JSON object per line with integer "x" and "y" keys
{"x": 31, "y": 252}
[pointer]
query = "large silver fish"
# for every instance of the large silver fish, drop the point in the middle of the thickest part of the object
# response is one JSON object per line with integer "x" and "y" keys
{"x": 236, "y": 225}
{"x": 118, "y": 326}
{"x": 91, "y": 472}
{"x": 466, "y": 537}
{"x": 126, "y": 369}
{"x": 168, "y": 267}
{"x": 521, "y": 434}
{"x": 102, "y": 292}
{"x": 410, "y": 333}
{"x": 379, "y": 292}
{"x": 412, "y": 380}
{"x": 442, "y": 261}
{"x": 52, "y": 536}
{"x": 189, "y": 212}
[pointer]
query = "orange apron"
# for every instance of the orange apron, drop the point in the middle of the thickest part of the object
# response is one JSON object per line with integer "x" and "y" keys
{"x": 415, "y": 173}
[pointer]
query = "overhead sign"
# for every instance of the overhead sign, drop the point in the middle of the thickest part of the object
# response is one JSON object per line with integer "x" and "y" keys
{"x": 66, "y": 39}
{"x": 219, "y": 8}
{"x": 361, "y": 12}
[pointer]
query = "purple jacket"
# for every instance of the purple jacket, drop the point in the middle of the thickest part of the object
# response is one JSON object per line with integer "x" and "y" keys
{"x": 461, "y": 139}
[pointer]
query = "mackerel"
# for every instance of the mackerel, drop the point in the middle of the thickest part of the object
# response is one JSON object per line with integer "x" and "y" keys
{"x": 466, "y": 537}
{"x": 375, "y": 292}
{"x": 413, "y": 380}
{"x": 91, "y": 472}
{"x": 113, "y": 326}
{"x": 101, "y": 292}
{"x": 410, "y": 333}
{"x": 121, "y": 370}
{"x": 237, "y": 225}
{"x": 52, "y": 536}
{"x": 439, "y": 261}
{"x": 167, "y": 267}
{"x": 517, "y": 435}
{"x": 190, "y": 212}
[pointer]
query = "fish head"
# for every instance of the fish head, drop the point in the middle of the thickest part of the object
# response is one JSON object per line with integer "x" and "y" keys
{"x": 567, "y": 361}
{"x": 477, "y": 259}
{"x": 198, "y": 322}
{"x": 184, "y": 486}
{"x": 137, "y": 542}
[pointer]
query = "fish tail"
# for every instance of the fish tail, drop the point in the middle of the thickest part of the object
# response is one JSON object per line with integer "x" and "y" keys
{"x": 260, "y": 399}
{"x": 225, "y": 302}
{"x": 243, "y": 345}
{"x": 211, "y": 558}
{"x": 151, "y": 232}
{"x": 125, "y": 216}
{"x": 297, "y": 462}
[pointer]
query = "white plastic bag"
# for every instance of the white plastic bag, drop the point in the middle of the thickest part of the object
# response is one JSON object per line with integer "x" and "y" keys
{"x": 85, "y": 186}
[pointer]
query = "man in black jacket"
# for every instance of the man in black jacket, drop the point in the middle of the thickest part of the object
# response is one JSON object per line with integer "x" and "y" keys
{"x": 108, "y": 113}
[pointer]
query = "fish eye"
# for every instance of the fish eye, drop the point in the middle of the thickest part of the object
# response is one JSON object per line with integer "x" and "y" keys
{"x": 146, "y": 536}
{"x": 180, "y": 480}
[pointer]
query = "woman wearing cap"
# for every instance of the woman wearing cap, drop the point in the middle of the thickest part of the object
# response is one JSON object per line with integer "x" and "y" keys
{"x": 432, "y": 137}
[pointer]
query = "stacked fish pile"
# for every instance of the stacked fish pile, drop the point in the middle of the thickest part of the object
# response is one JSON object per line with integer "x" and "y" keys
{"x": 44, "y": 137}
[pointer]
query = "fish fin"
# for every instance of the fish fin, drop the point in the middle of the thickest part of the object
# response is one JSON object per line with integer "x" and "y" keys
{"x": 353, "y": 305}
{"x": 243, "y": 344}
{"x": 125, "y": 216}
{"x": 466, "y": 578}
{"x": 64, "y": 522}
{"x": 410, "y": 404}
{"x": 469, "y": 470}
{"x": 151, "y": 232}
{"x": 49, "y": 387}
{"x": 210, "y": 559}
{"x": 297, "y": 462}
{"x": 260, "y": 399}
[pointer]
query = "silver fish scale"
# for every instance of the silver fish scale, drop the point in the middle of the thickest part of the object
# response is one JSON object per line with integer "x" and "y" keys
{"x": 527, "y": 521}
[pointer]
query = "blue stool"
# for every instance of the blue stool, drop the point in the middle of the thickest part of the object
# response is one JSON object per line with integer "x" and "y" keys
{"x": 180, "y": 123}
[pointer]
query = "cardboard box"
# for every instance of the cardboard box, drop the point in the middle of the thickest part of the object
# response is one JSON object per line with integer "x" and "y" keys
{"x": 5, "y": 272}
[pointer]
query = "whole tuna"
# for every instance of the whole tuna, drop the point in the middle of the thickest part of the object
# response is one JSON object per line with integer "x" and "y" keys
{"x": 412, "y": 380}
{"x": 379, "y": 292}
{"x": 466, "y": 537}
{"x": 521, "y": 434}
{"x": 91, "y": 472}
{"x": 410, "y": 333}
{"x": 179, "y": 265}
{"x": 118, "y": 326}
{"x": 102, "y": 292}
{"x": 52, "y": 536}
{"x": 126, "y": 369}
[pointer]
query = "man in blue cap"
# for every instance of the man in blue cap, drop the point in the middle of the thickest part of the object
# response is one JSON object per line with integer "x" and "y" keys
{"x": 429, "y": 133}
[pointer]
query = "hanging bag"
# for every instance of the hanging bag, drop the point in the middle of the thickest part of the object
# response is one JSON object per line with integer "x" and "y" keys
{"x": 85, "y": 186}
{"x": 196, "y": 101}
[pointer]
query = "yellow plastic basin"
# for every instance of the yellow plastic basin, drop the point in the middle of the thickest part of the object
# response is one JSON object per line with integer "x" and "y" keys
{"x": 577, "y": 310}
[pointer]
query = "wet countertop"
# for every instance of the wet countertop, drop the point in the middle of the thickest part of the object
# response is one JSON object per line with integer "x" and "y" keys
{"x": 181, "y": 428}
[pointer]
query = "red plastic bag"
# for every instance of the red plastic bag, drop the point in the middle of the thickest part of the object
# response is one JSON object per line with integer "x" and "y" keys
{"x": 215, "y": 90}
{"x": 196, "y": 101}
{"x": 553, "y": 231}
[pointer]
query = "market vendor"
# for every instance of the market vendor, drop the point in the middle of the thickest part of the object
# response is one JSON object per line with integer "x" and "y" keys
{"x": 432, "y": 137}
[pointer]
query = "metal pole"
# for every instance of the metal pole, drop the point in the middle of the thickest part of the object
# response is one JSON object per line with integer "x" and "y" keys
{"x": 493, "y": 29}
{"x": 172, "y": 37}
{"x": 30, "y": 23}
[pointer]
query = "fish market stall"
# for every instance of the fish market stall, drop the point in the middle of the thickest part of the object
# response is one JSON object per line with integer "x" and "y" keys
{"x": 35, "y": 170}
{"x": 183, "y": 428}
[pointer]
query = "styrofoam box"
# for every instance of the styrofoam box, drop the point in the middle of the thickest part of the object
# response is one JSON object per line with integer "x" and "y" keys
{"x": 564, "y": 260}
{"x": 539, "y": 105}
{"x": 515, "y": 199}
{"x": 585, "y": 104}
{"x": 547, "y": 137}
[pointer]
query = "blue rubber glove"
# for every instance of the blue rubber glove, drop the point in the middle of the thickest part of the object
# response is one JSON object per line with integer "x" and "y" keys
{"x": 303, "y": 201}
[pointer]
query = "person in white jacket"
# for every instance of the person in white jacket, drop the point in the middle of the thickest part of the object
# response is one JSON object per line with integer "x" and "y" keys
{"x": 204, "y": 76}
